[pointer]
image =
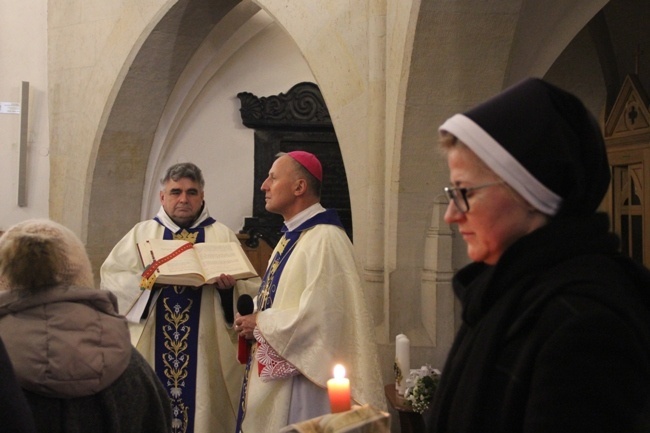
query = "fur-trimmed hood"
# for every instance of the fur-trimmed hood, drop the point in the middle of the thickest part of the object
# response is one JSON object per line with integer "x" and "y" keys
{"x": 38, "y": 253}
{"x": 65, "y": 338}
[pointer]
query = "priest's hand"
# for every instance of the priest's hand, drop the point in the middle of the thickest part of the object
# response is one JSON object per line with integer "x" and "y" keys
{"x": 244, "y": 325}
{"x": 225, "y": 282}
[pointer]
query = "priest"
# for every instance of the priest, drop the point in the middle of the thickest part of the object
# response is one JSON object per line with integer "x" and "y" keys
{"x": 184, "y": 332}
{"x": 311, "y": 311}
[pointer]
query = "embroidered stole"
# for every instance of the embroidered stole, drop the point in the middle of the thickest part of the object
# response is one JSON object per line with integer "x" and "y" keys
{"x": 269, "y": 285}
{"x": 265, "y": 300}
{"x": 176, "y": 339}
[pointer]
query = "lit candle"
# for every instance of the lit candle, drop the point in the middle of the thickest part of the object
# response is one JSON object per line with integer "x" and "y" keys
{"x": 402, "y": 362}
{"x": 338, "y": 390}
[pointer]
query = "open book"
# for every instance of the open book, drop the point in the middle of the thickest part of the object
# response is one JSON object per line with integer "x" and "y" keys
{"x": 195, "y": 264}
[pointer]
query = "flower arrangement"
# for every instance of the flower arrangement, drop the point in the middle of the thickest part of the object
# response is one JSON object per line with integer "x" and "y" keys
{"x": 422, "y": 385}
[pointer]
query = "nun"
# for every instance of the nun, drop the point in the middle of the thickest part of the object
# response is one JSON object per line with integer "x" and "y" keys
{"x": 555, "y": 333}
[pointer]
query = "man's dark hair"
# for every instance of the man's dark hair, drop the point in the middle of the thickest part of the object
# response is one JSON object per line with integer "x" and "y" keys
{"x": 183, "y": 170}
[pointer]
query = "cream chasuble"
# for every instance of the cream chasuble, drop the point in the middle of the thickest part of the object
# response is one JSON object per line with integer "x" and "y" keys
{"x": 317, "y": 318}
{"x": 218, "y": 374}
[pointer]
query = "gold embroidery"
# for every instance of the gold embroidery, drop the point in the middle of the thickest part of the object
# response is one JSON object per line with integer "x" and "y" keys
{"x": 261, "y": 304}
{"x": 277, "y": 260}
{"x": 176, "y": 360}
{"x": 184, "y": 235}
{"x": 179, "y": 425}
{"x": 146, "y": 283}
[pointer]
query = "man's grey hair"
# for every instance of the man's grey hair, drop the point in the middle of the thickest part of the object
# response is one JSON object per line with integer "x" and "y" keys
{"x": 183, "y": 170}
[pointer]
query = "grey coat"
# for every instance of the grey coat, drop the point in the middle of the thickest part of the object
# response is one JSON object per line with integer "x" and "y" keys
{"x": 74, "y": 360}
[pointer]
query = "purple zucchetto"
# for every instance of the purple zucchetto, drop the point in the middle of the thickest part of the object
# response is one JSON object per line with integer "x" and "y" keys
{"x": 543, "y": 142}
{"x": 309, "y": 161}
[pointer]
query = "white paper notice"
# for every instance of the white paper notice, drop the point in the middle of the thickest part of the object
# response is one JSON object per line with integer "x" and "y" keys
{"x": 9, "y": 108}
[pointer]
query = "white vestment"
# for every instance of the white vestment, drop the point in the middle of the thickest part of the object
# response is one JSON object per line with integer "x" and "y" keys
{"x": 219, "y": 375}
{"x": 318, "y": 319}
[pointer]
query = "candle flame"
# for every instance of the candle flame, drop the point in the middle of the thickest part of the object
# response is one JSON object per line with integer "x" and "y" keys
{"x": 339, "y": 371}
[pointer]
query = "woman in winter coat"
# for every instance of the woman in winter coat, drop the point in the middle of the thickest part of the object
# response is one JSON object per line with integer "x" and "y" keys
{"x": 70, "y": 348}
{"x": 556, "y": 321}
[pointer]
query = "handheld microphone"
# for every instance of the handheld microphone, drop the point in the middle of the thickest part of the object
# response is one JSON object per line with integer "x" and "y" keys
{"x": 245, "y": 306}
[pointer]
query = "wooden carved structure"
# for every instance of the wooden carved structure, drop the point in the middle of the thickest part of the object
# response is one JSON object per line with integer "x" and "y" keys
{"x": 627, "y": 137}
{"x": 297, "y": 120}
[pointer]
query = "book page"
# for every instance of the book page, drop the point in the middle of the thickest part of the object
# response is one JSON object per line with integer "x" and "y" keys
{"x": 135, "y": 312}
{"x": 185, "y": 263}
{"x": 224, "y": 258}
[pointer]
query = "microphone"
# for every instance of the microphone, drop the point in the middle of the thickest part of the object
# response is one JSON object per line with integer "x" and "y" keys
{"x": 245, "y": 307}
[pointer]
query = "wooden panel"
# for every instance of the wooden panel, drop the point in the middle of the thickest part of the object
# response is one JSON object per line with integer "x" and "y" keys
{"x": 629, "y": 201}
{"x": 259, "y": 255}
{"x": 296, "y": 120}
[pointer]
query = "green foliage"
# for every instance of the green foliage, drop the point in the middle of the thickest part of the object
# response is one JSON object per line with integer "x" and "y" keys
{"x": 421, "y": 393}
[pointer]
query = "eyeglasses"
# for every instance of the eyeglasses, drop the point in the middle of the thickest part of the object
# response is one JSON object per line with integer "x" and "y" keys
{"x": 459, "y": 195}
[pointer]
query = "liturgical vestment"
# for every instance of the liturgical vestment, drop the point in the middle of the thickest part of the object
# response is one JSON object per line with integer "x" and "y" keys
{"x": 317, "y": 318}
{"x": 214, "y": 394}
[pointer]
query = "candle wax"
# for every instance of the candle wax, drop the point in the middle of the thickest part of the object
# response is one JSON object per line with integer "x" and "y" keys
{"x": 338, "y": 390}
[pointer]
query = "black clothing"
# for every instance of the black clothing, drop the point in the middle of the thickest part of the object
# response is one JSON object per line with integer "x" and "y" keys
{"x": 15, "y": 414}
{"x": 135, "y": 403}
{"x": 555, "y": 338}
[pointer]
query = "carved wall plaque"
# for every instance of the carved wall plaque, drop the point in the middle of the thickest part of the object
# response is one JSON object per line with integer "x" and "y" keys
{"x": 297, "y": 120}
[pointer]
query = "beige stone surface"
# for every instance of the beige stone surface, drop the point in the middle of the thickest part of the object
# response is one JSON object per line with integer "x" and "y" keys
{"x": 390, "y": 72}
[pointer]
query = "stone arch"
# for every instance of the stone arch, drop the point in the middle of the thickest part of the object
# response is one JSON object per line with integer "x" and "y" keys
{"x": 117, "y": 180}
{"x": 342, "y": 42}
{"x": 495, "y": 43}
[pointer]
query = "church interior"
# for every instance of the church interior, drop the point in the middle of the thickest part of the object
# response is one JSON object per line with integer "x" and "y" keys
{"x": 118, "y": 91}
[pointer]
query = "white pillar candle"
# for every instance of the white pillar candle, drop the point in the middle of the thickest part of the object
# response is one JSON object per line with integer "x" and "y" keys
{"x": 402, "y": 362}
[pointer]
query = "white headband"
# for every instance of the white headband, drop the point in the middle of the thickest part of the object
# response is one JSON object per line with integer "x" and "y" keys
{"x": 503, "y": 163}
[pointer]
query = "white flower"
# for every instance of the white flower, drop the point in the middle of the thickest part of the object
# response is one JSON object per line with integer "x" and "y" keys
{"x": 421, "y": 393}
